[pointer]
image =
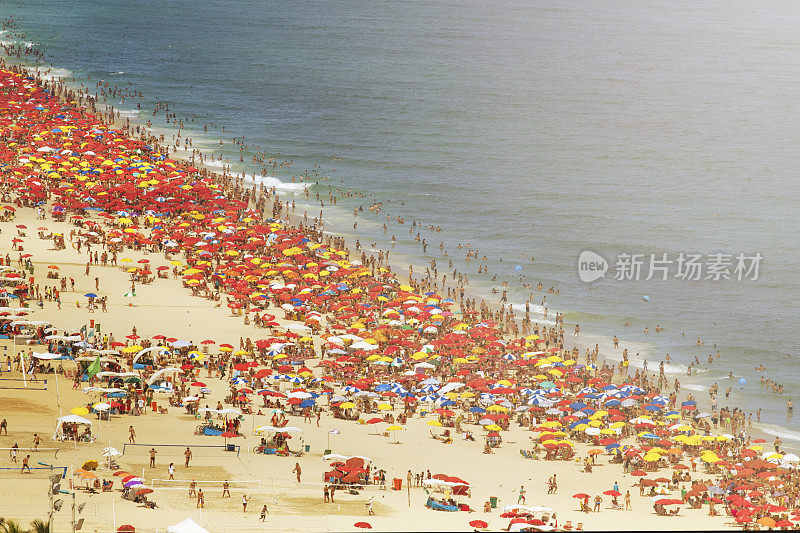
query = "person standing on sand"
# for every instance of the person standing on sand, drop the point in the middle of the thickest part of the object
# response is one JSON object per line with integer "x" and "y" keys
{"x": 171, "y": 471}
{"x": 188, "y": 455}
{"x": 25, "y": 464}
{"x": 132, "y": 435}
{"x": 153, "y": 453}
{"x": 201, "y": 500}
{"x": 628, "y": 500}
{"x": 521, "y": 496}
{"x": 192, "y": 486}
{"x": 225, "y": 489}
{"x": 264, "y": 513}
{"x": 244, "y": 503}
{"x": 4, "y": 427}
{"x": 297, "y": 470}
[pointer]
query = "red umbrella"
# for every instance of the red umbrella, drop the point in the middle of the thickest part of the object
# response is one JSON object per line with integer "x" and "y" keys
{"x": 480, "y": 524}
{"x": 362, "y": 525}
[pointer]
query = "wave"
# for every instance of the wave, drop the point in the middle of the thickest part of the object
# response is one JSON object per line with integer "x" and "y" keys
{"x": 778, "y": 431}
{"x": 52, "y": 73}
{"x": 269, "y": 182}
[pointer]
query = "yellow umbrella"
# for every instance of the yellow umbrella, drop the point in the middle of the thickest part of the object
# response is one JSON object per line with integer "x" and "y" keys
{"x": 434, "y": 423}
{"x": 80, "y": 411}
{"x": 347, "y": 405}
{"x": 384, "y": 407}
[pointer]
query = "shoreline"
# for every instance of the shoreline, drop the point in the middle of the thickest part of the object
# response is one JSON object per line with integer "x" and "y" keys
{"x": 398, "y": 267}
{"x": 493, "y": 474}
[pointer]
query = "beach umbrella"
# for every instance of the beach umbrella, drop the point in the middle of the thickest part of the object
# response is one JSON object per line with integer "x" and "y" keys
{"x": 362, "y": 525}
{"x": 766, "y": 521}
{"x": 479, "y": 524}
{"x": 80, "y": 411}
{"x": 395, "y": 428}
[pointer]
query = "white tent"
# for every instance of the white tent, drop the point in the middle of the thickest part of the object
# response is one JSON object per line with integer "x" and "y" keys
{"x": 187, "y": 526}
{"x": 69, "y": 419}
{"x": 154, "y": 349}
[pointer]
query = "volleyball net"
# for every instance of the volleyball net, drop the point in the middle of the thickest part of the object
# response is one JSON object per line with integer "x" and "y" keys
{"x": 178, "y": 450}
{"x": 239, "y": 485}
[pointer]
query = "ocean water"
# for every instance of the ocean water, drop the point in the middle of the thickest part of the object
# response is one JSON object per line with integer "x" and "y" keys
{"x": 537, "y": 127}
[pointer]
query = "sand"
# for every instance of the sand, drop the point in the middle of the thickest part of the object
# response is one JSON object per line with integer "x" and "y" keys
{"x": 164, "y": 307}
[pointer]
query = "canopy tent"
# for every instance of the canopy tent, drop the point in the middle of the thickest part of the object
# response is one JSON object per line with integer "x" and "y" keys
{"x": 187, "y": 526}
{"x": 153, "y": 350}
{"x": 69, "y": 419}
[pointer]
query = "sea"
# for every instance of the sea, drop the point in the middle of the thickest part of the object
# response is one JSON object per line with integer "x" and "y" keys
{"x": 658, "y": 139}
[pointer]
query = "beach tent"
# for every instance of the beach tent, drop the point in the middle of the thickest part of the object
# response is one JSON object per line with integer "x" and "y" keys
{"x": 187, "y": 526}
{"x": 154, "y": 350}
{"x": 69, "y": 419}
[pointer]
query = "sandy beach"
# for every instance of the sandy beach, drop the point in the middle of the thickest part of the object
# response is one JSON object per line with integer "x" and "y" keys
{"x": 166, "y": 307}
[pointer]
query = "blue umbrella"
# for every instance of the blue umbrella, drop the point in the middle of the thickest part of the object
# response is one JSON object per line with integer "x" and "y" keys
{"x": 90, "y": 295}
{"x": 477, "y": 409}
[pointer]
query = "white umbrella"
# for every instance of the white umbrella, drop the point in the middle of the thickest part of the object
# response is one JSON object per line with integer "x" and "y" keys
{"x": 110, "y": 452}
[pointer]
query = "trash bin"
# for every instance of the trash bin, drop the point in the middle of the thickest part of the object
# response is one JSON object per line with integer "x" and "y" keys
{"x": 397, "y": 483}
{"x": 493, "y": 502}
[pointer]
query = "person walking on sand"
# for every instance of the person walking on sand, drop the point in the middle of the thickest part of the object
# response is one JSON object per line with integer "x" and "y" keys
{"x": 172, "y": 471}
{"x": 36, "y": 441}
{"x": 25, "y": 465}
{"x": 521, "y": 496}
{"x": 225, "y": 489}
{"x": 131, "y": 435}
{"x": 264, "y": 513}
{"x": 4, "y": 427}
{"x": 192, "y": 486}
{"x": 297, "y": 470}
{"x": 188, "y": 455}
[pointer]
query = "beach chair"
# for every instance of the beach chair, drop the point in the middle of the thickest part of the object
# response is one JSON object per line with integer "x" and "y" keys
{"x": 579, "y": 526}
{"x": 567, "y": 525}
